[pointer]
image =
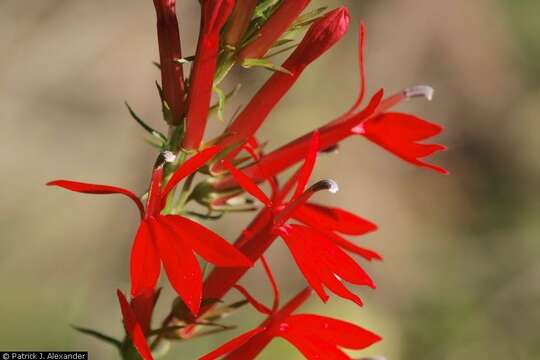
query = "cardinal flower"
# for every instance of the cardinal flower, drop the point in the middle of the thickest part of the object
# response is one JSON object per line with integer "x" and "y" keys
{"x": 169, "y": 239}
{"x": 315, "y": 336}
{"x": 317, "y": 250}
{"x": 396, "y": 132}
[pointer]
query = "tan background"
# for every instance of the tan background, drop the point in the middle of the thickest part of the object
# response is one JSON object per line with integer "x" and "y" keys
{"x": 460, "y": 276}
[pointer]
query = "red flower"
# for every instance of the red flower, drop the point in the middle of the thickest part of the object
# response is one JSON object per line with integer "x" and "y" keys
{"x": 315, "y": 247}
{"x": 135, "y": 315}
{"x": 213, "y": 17}
{"x": 280, "y": 20}
{"x": 169, "y": 239}
{"x": 397, "y": 132}
{"x": 172, "y": 76}
{"x": 320, "y": 37}
{"x": 315, "y": 336}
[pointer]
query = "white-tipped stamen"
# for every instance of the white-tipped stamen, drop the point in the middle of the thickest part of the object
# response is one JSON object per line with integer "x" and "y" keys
{"x": 425, "y": 91}
{"x": 328, "y": 184}
{"x": 169, "y": 156}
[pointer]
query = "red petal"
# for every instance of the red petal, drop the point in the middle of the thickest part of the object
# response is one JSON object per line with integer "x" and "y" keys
{"x": 260, "y": 307}
{"x": 273, "y": 283}
{"x": 399, "y": 133}
{"x": 303, "y": 256}
{"x": 210, "y": 246}
{"x": 97, "y": 189}
{"x": 312, "y": 347}
{"x": 143, "y": 306}
{"x": 233, "y": 344}
{"x": 145, "y": 263}
{"x": 333, "y": 219}
{"x": 338, "y": 261}
{"x": 180, "y": 264}
{"x": 188, "y": 168}
{"x": 349, "y": 246}
{"x": 306, "y": 170}
{"x": 336, "y": 332}
{"x": 133, "y": 328}
{"x": 153, "y": 205}
{"x": 247, "y": 184}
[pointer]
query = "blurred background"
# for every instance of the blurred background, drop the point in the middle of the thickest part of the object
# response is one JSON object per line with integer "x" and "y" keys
{"x": 462, "y": 258}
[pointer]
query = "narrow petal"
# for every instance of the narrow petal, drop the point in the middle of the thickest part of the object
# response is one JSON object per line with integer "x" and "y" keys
{"x": 333, "y": 331}
{"x": 181, "y": 266}
{"x": 333, "y": 219}
{"x": 247, "y": 184}
{"x": 233, "y": 344}
{"x": 210, "y": 246}
{"x": 88, "y": 188}
{"x": 273, "y": 283}
{"x": 133, "y": 328}
{"x": 309, "y": 163}
{"x": 188, "y": 168}
{"x": 312, "y": 347}
{"x": 153, "y": 206}
{"x": 349, "y": 246}
{"x": 145, "y": 263}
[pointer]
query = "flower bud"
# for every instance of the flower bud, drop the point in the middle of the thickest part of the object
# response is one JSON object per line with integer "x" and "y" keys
{"x": 321, "y": 36}
{"x": 277, "y": 24}
{"x": 239, "y": 22}
{"x": 172, "y": 76}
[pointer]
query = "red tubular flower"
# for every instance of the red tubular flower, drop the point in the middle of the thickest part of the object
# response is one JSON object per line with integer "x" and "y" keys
{"x": 315, "y": 336}
{"x": 172, "y": 76}
{"x": 239, "y": 22}
{"x": 213, "y": 17}
{"x": 133, "y": 326}
{"x": 397, "y": 132}
{"x": 320, "y": 37}
{"x": 169, "y": 239}
{"x": 316, "y": 249}
{"x": 273, "y": 28}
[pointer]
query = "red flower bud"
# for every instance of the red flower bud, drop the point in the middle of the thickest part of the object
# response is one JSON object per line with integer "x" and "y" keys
{"x": 239, "y": 22}
{"x": 214, "y": 16}
{"x": 272, "y": 29}
{"x": 172, "y": 76}
{"x": 319, "y": 38}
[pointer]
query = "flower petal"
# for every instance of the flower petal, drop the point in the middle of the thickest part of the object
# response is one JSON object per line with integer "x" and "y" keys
{"x": 145, "y": 263}
{"x": 333, "y": 331}
{"x": 349, "y": 246}
{"x": 181, "y": 266}
{"x": 88, "y": 188}
{"x": 333, "y": 219}
{"x": 210, "y": 246}
{"x": 233, "y": 344}
{"x": 260, "y": 307}
{"x": 312, "y": 347}
{"x": 133, "y": 328}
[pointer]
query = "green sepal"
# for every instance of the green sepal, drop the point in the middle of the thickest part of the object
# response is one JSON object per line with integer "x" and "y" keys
{"x": 155, "y": 133}
{"x": 309, "y": 17}
{"x": 165, "y": 109}
{"x": 98, "y": 335}
{"x": 251, "y": 62}
{"x": 185, "y": 60}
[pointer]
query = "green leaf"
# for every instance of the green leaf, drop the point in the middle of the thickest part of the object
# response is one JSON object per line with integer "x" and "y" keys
{"x": 96, "y": 334}
{"x": 277, "y": 52}
{"x": 222, "y": 99}
{"x": 251, "y": 62}
{"x": 155, "y": 133}
{"x": 265, "y": 8}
